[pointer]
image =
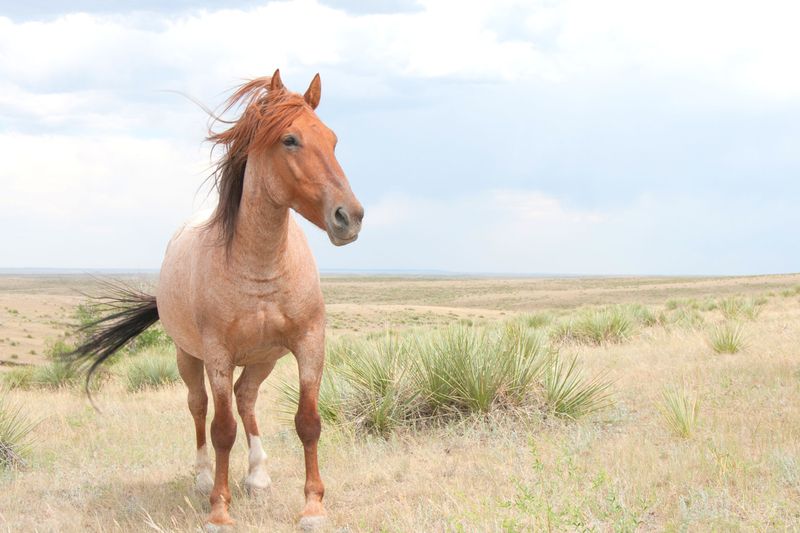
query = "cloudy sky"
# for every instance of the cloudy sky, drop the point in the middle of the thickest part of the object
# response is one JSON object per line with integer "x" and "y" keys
{"x": 575, "y": 136}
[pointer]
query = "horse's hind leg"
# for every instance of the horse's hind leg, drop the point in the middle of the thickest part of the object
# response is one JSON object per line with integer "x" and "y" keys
{"x": 191, "y": 370}
{"x": 246, "y": 391}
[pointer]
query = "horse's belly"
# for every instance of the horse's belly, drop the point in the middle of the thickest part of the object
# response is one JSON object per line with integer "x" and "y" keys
{"x": 260, "y": 355}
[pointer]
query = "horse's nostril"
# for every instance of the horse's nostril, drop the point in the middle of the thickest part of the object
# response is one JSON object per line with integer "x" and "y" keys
{"x": 342, "y": 220}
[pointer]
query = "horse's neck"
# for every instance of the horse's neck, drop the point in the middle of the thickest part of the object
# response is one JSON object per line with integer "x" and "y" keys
{"x": 261, "y": 240}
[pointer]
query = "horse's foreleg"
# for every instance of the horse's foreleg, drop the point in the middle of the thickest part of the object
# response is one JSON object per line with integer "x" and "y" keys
{"x": 246, "y": 391}
{"x": 191, "y": 370}
{"x": 310, "y": 358}
{"x": 223, "y": 435}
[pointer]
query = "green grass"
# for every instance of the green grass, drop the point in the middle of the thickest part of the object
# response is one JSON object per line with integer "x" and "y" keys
{"x": 738, "y": 308}
{"x": 679, "y": 410}
{"x": 537, "y": 320}
{"x": 15, "y": 434}
{"x": 57, "y": 374}
{"x": 57, "y": 349}
{"x": 727, "y": 338}
{"x": 604, "y": 326}
{"x": 379, "y": 385}
{"x": 470, "y": 370}
{"x": 682, "y": 317}
{"x": 151, "y": 371}
{"x": 568, "y": 394}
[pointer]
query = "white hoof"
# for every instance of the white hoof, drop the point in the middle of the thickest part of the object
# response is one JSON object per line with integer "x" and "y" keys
{"x": 257, "y": 482}
{"x": 203, "y": 483}
{"x": 217, "y": 528}
{"x": 312, "y": 523}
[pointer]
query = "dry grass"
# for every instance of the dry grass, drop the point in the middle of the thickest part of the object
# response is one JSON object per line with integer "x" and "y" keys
{"x": 129, "y": 469}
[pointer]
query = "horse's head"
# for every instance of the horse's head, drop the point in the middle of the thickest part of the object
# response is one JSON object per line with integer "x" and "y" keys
{"x": 283, "y": 142}
{"x": 305, "y": 173}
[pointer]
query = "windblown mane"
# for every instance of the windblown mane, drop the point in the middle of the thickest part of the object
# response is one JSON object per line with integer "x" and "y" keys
{"x": 266, "y": 114}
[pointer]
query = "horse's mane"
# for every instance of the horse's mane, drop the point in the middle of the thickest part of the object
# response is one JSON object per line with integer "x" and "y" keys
{"x": 266, "y": 115}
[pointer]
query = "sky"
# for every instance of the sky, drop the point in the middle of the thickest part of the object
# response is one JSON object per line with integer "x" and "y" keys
{"x": 624, "y": 137}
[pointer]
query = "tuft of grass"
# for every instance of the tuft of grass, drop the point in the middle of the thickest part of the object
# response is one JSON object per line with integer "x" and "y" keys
{"x": 19, "y": 378}
{"x": 727, "y": 338}
{"x": 57, "y": 349}
{"x": 685, "y": 317}
{"x": 604, "y": 326}
{"x": 679, "y": 409}
{"x": 737, "y": 308}
{"x": 381, "y": 385}
{"x": 537, "y": 320}
{"x": 55, "y": 375}
{"x": 152, "y": 337}
{"x": 151, "y": 371}
{"x": 568, "y": 394}
{"x": 472, "y": 371}
{"x": 15, "y": 430}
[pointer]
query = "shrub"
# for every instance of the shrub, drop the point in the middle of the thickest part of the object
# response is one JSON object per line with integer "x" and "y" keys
{"x": 568, "y": 394}
{"x": 15, "y": 431}
{"x": 151, "y": 372}
{"x": 679, "y": 409}
{"x": 727, "y": 338}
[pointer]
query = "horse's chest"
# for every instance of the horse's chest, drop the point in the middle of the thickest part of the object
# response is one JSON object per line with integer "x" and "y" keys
{"x": 259, "y": 324}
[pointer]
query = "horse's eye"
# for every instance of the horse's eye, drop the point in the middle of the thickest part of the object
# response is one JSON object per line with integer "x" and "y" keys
{"x": 290, "y": 140}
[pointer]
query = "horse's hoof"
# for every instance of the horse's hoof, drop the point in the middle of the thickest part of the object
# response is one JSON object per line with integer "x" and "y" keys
{"x": 203, "y": 483}
{"x": 219, "y": 528}
{"x": 257, "y": 484}
{"x": 312, "y": 523}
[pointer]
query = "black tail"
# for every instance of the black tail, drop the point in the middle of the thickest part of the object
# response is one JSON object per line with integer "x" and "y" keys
{"x": 128, "y": 313}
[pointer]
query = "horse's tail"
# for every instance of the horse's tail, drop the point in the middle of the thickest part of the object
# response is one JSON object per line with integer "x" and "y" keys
{"x": 128, "y": 311}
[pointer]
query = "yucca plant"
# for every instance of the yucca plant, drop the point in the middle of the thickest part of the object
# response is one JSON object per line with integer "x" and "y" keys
{"x": 679, "y": 409}
{"x": 735, "y": 308}
{"x": 56, "y": 375}
{"x": 537, "y": 320}
{"x": 640, "y": 314}
{"x": 469, "y": 370}
{"x": 331, "y": 402}
{"x": 685, "y": 317}
{"x": 18, "y": 378}
{"x": 378, "y": 377}
{"x": 727, "y": 338}
{"x": 610, "y": 325}
{"x": 151, "y": 371}
{"x": 453, "y": 371}
{"x": 15, "y": 430}
{"x": 568, "y": 394}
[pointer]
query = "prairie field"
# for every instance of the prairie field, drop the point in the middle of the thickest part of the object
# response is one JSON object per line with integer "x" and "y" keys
{"x": 696, "y": 426}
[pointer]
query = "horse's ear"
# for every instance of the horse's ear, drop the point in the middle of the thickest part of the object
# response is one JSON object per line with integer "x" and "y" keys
{"x": 314, "y": 92}
{"x": 275, "y": 83}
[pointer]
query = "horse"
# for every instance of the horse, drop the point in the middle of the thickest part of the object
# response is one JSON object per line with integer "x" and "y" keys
{"x": 240, "y": 287}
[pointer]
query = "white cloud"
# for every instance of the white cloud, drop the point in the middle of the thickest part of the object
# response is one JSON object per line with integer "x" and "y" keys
{"x": 95, "y": 180}
{"x": 100, "y": 145}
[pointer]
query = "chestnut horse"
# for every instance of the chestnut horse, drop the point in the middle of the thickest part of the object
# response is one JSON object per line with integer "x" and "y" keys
{"x": 241, "y": 288}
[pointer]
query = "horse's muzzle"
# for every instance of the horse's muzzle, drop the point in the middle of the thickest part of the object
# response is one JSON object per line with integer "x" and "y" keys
{"x": 344, "y": 224}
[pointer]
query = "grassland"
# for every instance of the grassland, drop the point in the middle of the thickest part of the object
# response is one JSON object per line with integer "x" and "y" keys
{"x": 696, "y": 439}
